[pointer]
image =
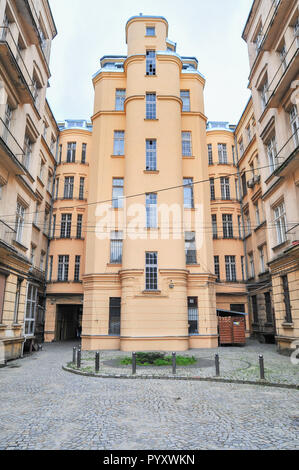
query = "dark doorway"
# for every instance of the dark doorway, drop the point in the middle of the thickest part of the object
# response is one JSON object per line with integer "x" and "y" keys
{"x": 68, "y": 322}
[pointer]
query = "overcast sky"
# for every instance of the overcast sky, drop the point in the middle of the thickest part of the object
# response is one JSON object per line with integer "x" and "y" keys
{"x": 208, "y": 29}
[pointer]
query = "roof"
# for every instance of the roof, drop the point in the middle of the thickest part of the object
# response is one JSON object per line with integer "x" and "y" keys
{"x": 230, "y": 312}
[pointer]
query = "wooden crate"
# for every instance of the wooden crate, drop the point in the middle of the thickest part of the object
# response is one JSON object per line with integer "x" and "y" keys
{"x": 232, "y": 330}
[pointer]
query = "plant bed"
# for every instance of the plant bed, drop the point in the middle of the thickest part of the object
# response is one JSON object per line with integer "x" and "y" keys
{"x": 159, "y": 360}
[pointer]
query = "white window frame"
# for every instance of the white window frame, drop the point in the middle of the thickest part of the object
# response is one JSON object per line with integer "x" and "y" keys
{"x": 280, "y": 222}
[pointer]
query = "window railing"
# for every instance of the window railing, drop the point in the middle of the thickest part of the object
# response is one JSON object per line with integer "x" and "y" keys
{"x": 293, "y": 235}
{"x": 7, "y": 234}
{"x": 6, "y": 36}
{"x": 291, "y": 146}
{"x": 11, "y": 142}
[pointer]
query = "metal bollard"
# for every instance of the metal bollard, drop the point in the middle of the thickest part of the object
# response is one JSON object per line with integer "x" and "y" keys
{"x": 97, "y": 359}
{"x": 217, "y": 364}
{"x": 262, "y": 367}
{"x": 74, "y": 355}
{"x": 174, "y": 363}
{"x": 134, "y": 363}
{"x": 79, "y": 359}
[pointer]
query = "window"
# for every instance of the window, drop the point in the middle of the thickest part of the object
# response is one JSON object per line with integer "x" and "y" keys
{"x": 71, "y": 152}
{"x": 118, "y": 193}
{"x": 210, "y": 154}
{"x": 66, "y": 226}
{"x": 116, "y": 247}
{"x": 52, "y": 145}
{"x": 190, "y": 248}
{"x": 83, "y": 155}
{"x": 188, "y": 193}
{"x": 60, "y": 154}
{"x": 120, "y": 97}
{"x": 79, "y": 226}
{"x": 230, "y": 268}
{"x": 68, "y": 187}
{"x": 53, "y": 226}
{"x": 247, "y": 224}
{"x": 5, "y": 29}
{"x": 150, "y": 31}
{"x": 151, "y": 210}
{"x": 243, "y": 268}
{"x": 56, "y": 188}
{"x": 241, "y": 147}
{"x": 222, "y": 153}
{"x": 283, "y": 57}
{"x": 49, "y": 184}
{"x": 114, "y": 316}
{"x": 237, "y": 189}
{"x": 244, "y": 184}
{"x": 214, "y": 226}
{"x": 27, "y": 152}
{"x": 7, "y": 121}
{"x": 77, "y": 268}
{"x": 186, "y": 144}
{"x": 254, "y": 309}
{"x": 212, "y": 189}
{"x": 257, "y": 215}
{"x": 225, "y": 189}
{"x": 264, "y": 95}
{"x": 227, "y": 220}
{"x": 63, "y": 268}
{"x": 262, "y": 259}
{"x": 234, "y": 155}
{"x": 32, "y": 254}
{"x": 251, "y": 266}
{"x": 46, "y": 222}
{"x": 150, "y": 63}
{"x": 119, "y": 143}
{"x": 217, "y": 267}
{"x": 249, "y": 135}
{"x": 294, "y": 119}
{"x": 286, "y": 298}
{"x": 36, "y": 215}
{"x": 151, "y": 106}
{"x": 185, "y": 97}
{"x": 151, "y": 271}
{"x": 81, "y": 189}
{"x": 240, "y": 227}
{"x": 30, "y": 312}
{"x": 193, "y": 315}
{"x": 280, "y": 223}
{"x": 259, "y": 39}
{"x": 272, "y": 153}
{"x": 42, "y": 169}
{"x": 268, "y": 304}
{"x": 42, "y": 261}
{"x": 17, "y": 301}
{"x": 151, "y": 155}
{"x": 35, "y": 91}
{"x": 50, "y": 269}
{"x": 20, "y": 220}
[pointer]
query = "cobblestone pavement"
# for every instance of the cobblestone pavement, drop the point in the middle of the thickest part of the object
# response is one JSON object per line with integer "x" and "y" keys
{"x": 240, "y": 363}
{"x": 43, "y": 407}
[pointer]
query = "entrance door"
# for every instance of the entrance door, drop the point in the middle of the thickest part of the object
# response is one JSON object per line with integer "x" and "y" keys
{"x": 67, "y": 322}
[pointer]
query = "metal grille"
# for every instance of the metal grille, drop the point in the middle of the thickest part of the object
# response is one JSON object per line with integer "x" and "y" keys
{"x": 190, "y": 248}
{"x": 227, "y": 220}
{"x": 114, "y": 316}
{"x": 117, "y": 193}
{"x": 71, "y": 152}
{"x": 116, "y": 247}
{"x": 186, "y": 144}
{"x": 119, "y": 143}
{"x": 150, "y": 63}
{"x": 185, "y": 97}
{"x": 230, "y": 268}
{"x": 66, "y": 226}
{"x": 151, "y": 155}
{"x": 151, "y": 210}
{"x": 151, "y": 106}
{"x": 193, "y": 315}
{"x": 188, "y": 193}
{"x": 151, "y": 271}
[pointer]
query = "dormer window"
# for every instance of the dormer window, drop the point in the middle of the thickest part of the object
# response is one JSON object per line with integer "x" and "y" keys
{"x": 150, "y": 31}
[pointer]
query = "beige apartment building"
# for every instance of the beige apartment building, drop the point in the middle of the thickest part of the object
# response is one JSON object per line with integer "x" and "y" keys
{"x": 271, "y": 33}
{"x": 28, "y": 135}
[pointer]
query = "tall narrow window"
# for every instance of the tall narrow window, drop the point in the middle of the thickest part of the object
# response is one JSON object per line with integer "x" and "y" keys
{"x": 257, "y": 214}
{"x": 151, "y": 271}
{"x": 81, "y": 189}
{"x": 210, "y": 154}
{"x": 50, "y": 274}
{"x": 116, "y": 247}
{"x": 227, "y": 220}
{"x": 151, "y": 155}
{"x": 42, "y": 261}
{"x": 217, "y": 267}
{"x": 151, "y": 106}
{"x": 225, "y": 189}
{"x": 269, "y": 314}
{"x": 77, "y": 268}
{"x": 63, "y": 268}
{"x": 237, "y": 189}
{"x": 212, "y": 189}
{"x": 17, "y": 301}
{"x": 56, "y": 188}
{"x": 186, "y": 144}
{"x": 119, "y": 143}
{"x": 286, "y": 299}
{"x": 71, "y": 152}
{"x": 83, "y": 155}
{"x": 255, "y": 309}
{"x": 66, "y": 226}
{"x": 222, "y": 153}
{"x": 53, "y": 226}
{"x": 188, "y": 193}
{"x": 193, "y": 315}
{"x": 264, "y": 95}
{"x": 150, "y": 62}
{"x": 234, "y": 155}
{"x": 27, "y": 152}
{"x": 2, "y": 293}
{"x": 30, "y": 312}
{"x": 262, "y": 259}
{"x": 7, "y": 121}
{"x": 230, "y": 268}
{"x": 251, "y": 266}
{"x": 151, "y": 210}
{"x": 185, "y": 97}
{"x": 244, "y": 184}
{"x": 79, "y": 226}
{"x": 214, "y": 226}
{"x": 294, "y": 120}
{"x": 114, "y": 316}
{"x": 120, "y": 97}
{"x": 272, "y": 153}
{"x": 240, "y": 226}
{"x": 243, "y": 268}
{"x": 190, "y": 248}
{"x": 20, "y": 220}
{"x": 60, "y": 154}
{"x": 68, "y": 187}
{"x": 280, "y": 223}
{"x": 118, "y": 193}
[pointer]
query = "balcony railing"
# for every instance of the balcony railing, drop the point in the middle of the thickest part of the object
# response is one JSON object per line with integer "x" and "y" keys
{"x": 288, "y": 149}
{"x": 10, "y": 141}
{"x": 7, "y": 38}
{"x": 293, "y": 235}
{"x": 7, "y": 234}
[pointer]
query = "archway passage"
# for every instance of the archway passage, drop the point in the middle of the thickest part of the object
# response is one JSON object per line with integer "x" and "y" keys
{"x": 68, "y": 322}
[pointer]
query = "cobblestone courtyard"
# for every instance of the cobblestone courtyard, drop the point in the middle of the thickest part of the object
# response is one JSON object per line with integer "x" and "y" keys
{"x": 44, "y": 407}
